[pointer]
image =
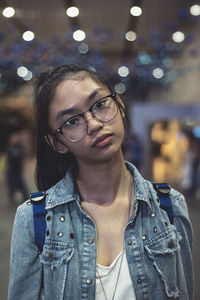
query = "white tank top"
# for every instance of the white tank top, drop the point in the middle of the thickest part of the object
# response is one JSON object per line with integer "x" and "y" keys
{"x": 125, "y": 288}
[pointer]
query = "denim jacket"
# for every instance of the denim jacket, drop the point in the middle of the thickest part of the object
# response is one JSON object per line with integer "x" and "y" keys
{"x": 158, "y": 253}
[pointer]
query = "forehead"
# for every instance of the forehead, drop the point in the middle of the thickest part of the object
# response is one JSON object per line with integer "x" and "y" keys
{"x": 77, "y": 87}
{"x": 74, "y": 92}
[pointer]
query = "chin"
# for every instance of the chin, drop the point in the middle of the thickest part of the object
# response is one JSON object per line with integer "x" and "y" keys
{"x": 107, "y": 154}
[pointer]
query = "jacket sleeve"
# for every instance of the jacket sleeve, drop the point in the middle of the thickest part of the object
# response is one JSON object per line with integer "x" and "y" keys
{"x": 185, "y": 266}
{"x": 25, "y": 268}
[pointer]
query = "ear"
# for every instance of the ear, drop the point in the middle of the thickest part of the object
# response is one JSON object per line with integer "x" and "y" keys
{"x": 122, "y": 106}
{"x": 56, "y": 144}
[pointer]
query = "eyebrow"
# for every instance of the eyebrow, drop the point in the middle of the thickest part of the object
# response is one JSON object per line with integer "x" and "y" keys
{"x": 73, "y": 110}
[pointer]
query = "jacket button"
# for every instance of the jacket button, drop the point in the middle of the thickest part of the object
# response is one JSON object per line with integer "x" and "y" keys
{"x": 62, "y": 219}
{"x": 144, "y": 237}
{"x": 48, "y": 254}
{"x": 28, "y": 202}
{"x": 89, "y": 280}
{"x": 90, "y": 240}
{"x": 60, "y": 234}
{"x": 47, "y": 232}
{"x": 155, "y": 229}
{"x": 129, "y": 243}
{"x": 171, "y": 244}
{"x": 139, "y": 281}
{"x": 153, "y": 214}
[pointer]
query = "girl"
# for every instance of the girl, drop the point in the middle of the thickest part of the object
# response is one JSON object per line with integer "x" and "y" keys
{"x": 106, "y": 235}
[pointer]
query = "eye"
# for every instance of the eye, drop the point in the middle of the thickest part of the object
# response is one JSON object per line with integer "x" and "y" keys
{"x": 72, "y": 122}
{"x": 100, "y": 104}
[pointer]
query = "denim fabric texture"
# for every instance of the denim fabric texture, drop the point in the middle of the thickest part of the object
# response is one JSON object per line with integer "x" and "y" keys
{"x": 158, "y": 253}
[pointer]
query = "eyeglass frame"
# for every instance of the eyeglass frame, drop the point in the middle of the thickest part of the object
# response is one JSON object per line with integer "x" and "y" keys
{"x": 112, "y": 95}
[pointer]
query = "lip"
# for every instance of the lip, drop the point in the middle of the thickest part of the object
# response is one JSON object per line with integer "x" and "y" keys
{"x": 102, "y": 141}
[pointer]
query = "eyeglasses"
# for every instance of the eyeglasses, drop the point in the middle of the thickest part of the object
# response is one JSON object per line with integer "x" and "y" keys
{"x": 104, "y": 110}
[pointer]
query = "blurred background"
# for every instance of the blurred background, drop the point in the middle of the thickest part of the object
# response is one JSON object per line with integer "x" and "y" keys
{"x": 149, "y": 51}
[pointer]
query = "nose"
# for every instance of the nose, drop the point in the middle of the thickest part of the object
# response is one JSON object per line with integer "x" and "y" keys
{"x": 93, "y": 124}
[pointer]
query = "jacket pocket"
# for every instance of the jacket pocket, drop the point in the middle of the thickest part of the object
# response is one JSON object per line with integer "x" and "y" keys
{"x": 55, "y": 259}
{"x": 163, "y": 249}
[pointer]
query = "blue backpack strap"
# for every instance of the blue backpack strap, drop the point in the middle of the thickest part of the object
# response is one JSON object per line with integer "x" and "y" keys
{"x": 39, "y": 217}
{"x": 163, "y": 193}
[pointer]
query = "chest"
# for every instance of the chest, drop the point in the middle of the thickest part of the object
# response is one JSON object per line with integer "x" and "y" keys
{"x": 110, "y": 226}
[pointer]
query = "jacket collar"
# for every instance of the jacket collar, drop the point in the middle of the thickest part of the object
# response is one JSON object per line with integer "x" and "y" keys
{"x": 62, "y": 192}
{"x": 65, "y": 190}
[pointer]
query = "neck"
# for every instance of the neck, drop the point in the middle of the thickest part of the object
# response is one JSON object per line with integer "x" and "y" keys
{"x": 107, "y": 179}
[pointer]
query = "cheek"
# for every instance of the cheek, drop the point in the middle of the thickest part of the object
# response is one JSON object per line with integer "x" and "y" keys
{"x": 119, "y": 126}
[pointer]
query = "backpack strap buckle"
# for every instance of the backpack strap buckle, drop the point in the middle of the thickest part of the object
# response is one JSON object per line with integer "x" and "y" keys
{"x": 37, "y": 197}
{"x": 162, "y": 188}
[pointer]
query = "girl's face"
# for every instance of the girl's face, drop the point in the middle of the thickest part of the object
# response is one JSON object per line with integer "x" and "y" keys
{"x": 103, "y": 140}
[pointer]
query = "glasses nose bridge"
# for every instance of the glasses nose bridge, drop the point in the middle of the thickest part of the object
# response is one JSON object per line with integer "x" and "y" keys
{"x": 90, "y": 113}
{"x": 91, "y": 121}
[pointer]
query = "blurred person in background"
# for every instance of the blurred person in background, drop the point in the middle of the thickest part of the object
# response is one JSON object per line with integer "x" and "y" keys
{"x": 15, "y": 163}
{"x": 106, "y": 235}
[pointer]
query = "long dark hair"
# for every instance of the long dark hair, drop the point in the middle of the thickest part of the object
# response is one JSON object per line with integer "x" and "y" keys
{"x": 50, "y": 165}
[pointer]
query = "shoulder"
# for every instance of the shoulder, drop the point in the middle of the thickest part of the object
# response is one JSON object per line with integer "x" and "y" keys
{"x": 179, "y": 204}
{"x": 24, "y": 215}
{"x": 23, "y": 228}
{"x": 25, "y": 210}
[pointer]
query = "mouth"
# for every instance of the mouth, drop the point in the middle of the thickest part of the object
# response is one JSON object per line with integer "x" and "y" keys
{"x": 102, "y": 141}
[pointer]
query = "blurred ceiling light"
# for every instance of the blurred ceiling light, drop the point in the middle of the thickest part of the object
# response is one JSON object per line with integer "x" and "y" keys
{"x": 195, "y": 10}
{"x": 178, "y": 36}
{"x": 72, "y": 11}
{"x": 22, "y": 71}
{"x": 8, "y": 12}
{"x": 131, "y": 36}
{"x": 28, "y": 36}
{"x": 28, "y": 76}
{"x": 83, "y": 48}
{"x": 136, "y": 11}
{"x": 123, "y": 71}
{"x": 120, "y": 88}
{"x": 158, "y": 73}
{"x": 79, "y": 35}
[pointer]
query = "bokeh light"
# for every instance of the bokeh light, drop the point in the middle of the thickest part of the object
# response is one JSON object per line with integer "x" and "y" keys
{"x": 136, "y": 11}
{"x": 22, "y": 71}
{"x": 158, "y": 73}
{"x": 28, "y": 36}
{"x": 72, "y": 11}
{"x": 8, "y": 12}
{"x": 178, "y": 36}
{"x": 131, "y": 36}
{"x": 79, "y": 35}
{"x": 195, "y": 10}
{"x": 120, "y": 88}
{"x": 123, "y": 71}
